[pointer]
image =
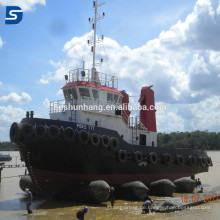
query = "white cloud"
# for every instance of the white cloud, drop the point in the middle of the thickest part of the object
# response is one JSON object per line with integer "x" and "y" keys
{"x": 1, "y": 43}
{"x": 183, "y": 64}
{"x": 25, "y": 5}
{"x": 8, "y": 115}
{"x": 0, "y": 83}
{"x": 15, "y": 98}
{"x": 46, "y": 103}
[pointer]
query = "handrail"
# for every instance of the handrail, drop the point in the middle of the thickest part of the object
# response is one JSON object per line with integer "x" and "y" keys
{"x": 86, "y": 75}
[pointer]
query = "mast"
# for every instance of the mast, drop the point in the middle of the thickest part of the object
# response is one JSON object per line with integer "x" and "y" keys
{"x": 93, "y": 47}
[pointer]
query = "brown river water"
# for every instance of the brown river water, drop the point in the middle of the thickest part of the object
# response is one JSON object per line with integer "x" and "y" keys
{"x": 13, "y": 201}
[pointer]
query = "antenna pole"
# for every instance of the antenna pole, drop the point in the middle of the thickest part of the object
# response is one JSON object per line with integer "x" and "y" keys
{"x": 94, "y": 46}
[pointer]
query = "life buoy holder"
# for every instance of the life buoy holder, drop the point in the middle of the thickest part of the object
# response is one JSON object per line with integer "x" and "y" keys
{"x": 192, "y": 160}
{"x": 166, "y": 158}
{"x": 105, "y": 141}
{"x": 202, "y": 161}
{"x": 153, "y": 158}
{"x": 122, "y": 156}
{"x": 209, "y": 161}
{"x": 53, "y": 132}
{"x": 95, "y": 139}
{"x": 179, "y": 160}
{"x": 15, "y": 132}
{"x": 83, "y": 137}
{"x": 69, "y": 134}
{"x": 138, "y": 157}
{"x": 27, "y": 130}
{"x": 114, "y": 144}
{"x": 40, "y": 131}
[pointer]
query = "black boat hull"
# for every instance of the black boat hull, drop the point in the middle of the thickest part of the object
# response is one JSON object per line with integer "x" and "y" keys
{"x": 58, "y": 166}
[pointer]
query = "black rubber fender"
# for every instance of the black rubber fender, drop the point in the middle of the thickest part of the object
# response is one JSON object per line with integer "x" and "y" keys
{"x": 202, "y": 161}
{"x": 69, "y": 134}
{"x": 40, "y": 131}
{"x": 166, "y": 158}
{"x": 138, "y": 157}
{"x": 152, "y": 158}
{"x": 209, "y": 161}
{"x": 192, "y": 160}
{"x": 122, "y": 156}
{"x": 95, "y": 139}
{"x": 27, "y": 130}
{"x": 105, "y": 141}
{"x": 15, "y": 132}
{"x": 179, "y": 160}
{"x": 53, "y": 132}
{"x": 114, "y": 144}
{"x": 83, "y": 137}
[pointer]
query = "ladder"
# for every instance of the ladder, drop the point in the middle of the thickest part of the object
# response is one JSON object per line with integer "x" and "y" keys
{"x": 134, "y": 130}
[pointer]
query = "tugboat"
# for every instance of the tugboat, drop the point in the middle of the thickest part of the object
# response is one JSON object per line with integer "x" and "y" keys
{"x": 91, "y": 136}
{"x": 5, "y": 157}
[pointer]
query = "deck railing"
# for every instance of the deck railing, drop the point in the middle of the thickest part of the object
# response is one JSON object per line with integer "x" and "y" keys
{"x": 87, "y": 75}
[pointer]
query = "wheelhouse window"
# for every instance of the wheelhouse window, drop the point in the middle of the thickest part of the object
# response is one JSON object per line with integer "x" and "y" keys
{"x": 109, "y": 97}
{"x": 116, "y": 98}
{"x": 95, "y": 93}
{"x": 120, "y": 100}
{"x": 84, "y": 92}
{"x": 70, "y": 93}
{"x": 65, "y": 92}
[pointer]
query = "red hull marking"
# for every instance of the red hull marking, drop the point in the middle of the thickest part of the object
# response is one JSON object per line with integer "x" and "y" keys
{"x": 61, "y": 178}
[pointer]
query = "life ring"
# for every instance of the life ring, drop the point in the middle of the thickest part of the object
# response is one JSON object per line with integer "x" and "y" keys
{"x": 167, "y": 158}
{"x": 122, "y": 156}
{"x": 83, "y": 137}
{"x": 94, "y": 139}
{"x": 105, "y": 141}
{"x": 114, "y": 144}
{"x": 69, "y": 134}
{"x": 153, "y": 158}
{"x": 40, "y": 131}
{"x": 180, "y": 160}
{"x": 192, "y": 160}
{"x": 27, "y": 130}
{"x": 202, "y": 161}
{"x": 53, "y": 132}
{"x": 138, "y": 157}
{"x": 15, "y": 132}
{"x": 209, "y": 161}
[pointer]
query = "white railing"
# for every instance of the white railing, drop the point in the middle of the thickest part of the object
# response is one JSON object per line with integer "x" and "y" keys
{"x": 86, "y": 75}
{"x": 133, "y": 122}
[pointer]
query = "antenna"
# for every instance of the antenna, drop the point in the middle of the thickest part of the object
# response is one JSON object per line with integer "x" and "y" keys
{"x": 93, "y": 44}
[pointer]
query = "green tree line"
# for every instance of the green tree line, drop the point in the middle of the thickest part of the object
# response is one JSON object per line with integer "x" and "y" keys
{"x": 196, "y": 140}
{"x": 8, "y": 146}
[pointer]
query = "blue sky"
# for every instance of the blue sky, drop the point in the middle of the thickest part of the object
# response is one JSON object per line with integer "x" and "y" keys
{"x": 171, "y": 44}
